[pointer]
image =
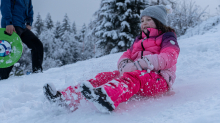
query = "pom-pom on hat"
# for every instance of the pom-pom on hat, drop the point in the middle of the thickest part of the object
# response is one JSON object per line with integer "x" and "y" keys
{"x": 158, "y": 12}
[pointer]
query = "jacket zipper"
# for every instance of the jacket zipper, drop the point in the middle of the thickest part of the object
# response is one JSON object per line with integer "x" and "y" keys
{"x": 143, "y": 45}
{"x": 26, "y": 7}
{"x": 14, "y": 1}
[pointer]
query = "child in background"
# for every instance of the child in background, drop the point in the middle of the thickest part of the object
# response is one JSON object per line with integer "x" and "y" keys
{"x": 148, "y": 68}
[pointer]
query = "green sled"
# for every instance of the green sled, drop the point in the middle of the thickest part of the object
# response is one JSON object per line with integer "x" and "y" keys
{"x": 11, "y": 48}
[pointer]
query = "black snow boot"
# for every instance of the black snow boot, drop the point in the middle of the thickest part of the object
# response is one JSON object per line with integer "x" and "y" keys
{"x": 97, "y": 97}
{"x": 52, "y": 94}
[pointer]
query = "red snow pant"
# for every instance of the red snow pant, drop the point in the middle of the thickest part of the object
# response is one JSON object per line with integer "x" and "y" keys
{"x": 120, "y": 89}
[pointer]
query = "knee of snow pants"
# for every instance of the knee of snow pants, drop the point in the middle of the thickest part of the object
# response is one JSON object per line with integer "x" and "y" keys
{"x": 104, "y": 77}
{"x": 152, "y": 84}
{"x": 137, "y": 82}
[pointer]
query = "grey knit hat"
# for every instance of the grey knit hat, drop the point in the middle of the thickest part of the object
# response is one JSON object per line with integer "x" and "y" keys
{"x": 158, "y": 12}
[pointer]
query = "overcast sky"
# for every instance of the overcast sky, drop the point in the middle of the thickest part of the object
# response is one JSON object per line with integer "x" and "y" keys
{"x": 213, "y": 4}
{"x": 81, "y": 11}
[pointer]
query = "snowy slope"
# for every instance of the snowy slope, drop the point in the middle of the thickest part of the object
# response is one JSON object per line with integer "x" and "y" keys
{"x": 208, "y": 25}
{"x": 195, "y": 97}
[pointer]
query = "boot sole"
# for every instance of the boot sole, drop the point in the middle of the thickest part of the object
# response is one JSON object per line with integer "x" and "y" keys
{"x": 94, "y": 97}
{"x": 47, "y": 92}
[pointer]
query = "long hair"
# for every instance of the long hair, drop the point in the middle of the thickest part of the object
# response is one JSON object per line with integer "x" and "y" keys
{"x": 161, "y": 27}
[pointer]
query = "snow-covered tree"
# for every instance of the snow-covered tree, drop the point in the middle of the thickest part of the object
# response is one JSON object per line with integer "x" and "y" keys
{"x": 25, "y": 61}
{"x": 50, "y": 46}
{"x": 185, "y": 15}
{"x": 60, "y": 45}
{"x": 47, "y": 38}
{"x": 117, "y": 23}
{"x": 66, "y": 46}
{"x": 163, "y": 2}
{"x": 82, "y": 33}
{"x": 57, "y": 30}
{"x": 81, "y": 39}
{"x": 38, "y": 25}
{"x": 48, "y": 22}
{"x": 90, "y": 40}
{"x": 74, "y": 28}
{"x": 66, "y": 24}
{"x": 90, "y": 50}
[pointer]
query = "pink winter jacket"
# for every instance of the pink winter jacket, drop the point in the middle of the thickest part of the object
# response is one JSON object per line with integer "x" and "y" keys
{"x": 162, "y": 51}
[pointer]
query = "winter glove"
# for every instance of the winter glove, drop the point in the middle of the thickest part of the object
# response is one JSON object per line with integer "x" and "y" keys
{"x": 129, "y": 67}
{"x": 145, "y": 64}
{"x": 126, "y": 66}
{"x": 123, "y": 63}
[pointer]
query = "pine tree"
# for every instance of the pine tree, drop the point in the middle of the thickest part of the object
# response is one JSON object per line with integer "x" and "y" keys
{"x": 48, "y": 22}
{"x": 57, "y": 30}
{"x": 65, "y": 27}
{"x": 66, "y": 24}
{"x": 68, "y": 47}
{"x": 74, "y": 28}
{"x": 90, "y": 40}
{"x": 89, "y": 51}
{"x": 47, "y": 38}
{"x": 163, "y": 2}
{"x": 74, "y": 31}
{"x": 38, "y": 25}
{"x": 130, "y": 21}
{"x": 82, "y": 33}
{"x": 117, "y": 24}
{"x": 81, "y": 39}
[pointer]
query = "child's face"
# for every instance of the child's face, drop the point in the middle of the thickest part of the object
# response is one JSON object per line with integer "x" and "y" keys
{"x": 147, "y": 22}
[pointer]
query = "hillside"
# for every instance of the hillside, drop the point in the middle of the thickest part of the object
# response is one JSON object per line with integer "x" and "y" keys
{"x": 193, "y": 99}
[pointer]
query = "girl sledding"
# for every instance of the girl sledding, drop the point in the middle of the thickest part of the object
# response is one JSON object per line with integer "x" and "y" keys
{"x": 147, "y": 68}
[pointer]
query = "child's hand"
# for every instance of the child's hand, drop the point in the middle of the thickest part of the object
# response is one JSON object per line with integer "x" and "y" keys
{"x": 145, "y": 64}
{"x": 123, "y": 63}
{"x": 129, "y": 67}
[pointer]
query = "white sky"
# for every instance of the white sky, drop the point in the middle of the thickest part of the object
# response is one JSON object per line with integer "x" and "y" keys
{"x": 81, "y": 11}
{"x": 213, "y": 4}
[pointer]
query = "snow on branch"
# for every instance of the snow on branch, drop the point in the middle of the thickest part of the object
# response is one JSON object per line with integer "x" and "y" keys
{"x": 125, "y": 24}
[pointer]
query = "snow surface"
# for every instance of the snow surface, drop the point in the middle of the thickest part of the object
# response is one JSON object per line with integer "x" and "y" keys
{"x": 195, "y": 97}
